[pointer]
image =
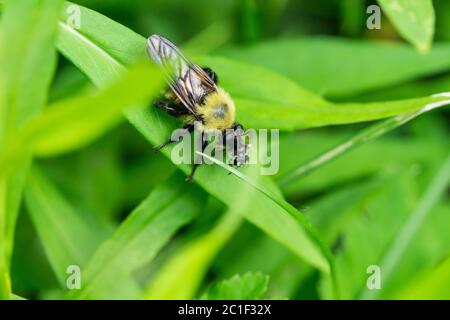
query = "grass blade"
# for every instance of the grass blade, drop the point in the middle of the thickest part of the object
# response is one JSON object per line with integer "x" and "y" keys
{"x": 68, "y": 237}
{"x": 140, "y": 237}
{"x": 27, "y": 69}
{"x": 397, "y": 247}
{"x": 194, "y": 259}
{"x": 366, "y": 135}
{"x": 73, "y": 123}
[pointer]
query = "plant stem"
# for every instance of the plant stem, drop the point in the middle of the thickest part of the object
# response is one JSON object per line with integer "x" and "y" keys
{"x": 5, "y": 284}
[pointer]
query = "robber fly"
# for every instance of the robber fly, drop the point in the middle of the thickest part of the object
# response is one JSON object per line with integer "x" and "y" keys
{"x": 193, "y": 93}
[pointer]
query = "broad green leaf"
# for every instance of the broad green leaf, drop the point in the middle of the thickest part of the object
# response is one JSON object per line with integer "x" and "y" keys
{"x": 69, "y": 238}
{"x": 250, "y": 286}
{"x": 413, "y": 19}
{"x": 287, "y": 106}
{"x": 193, "y": 259}
{"x": 141, "y": 236}
{"x": 337, "y": 67}
{"x": 157, "y": 126}
{"x": 28, "y": 58}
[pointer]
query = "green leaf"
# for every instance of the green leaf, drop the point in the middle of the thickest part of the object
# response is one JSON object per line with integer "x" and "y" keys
{"x": 387, "y": 229}
{"x": 368, "y": 134}
{"x": 28, "y": 58}
{"x": 193, "y": 259}
{"x": 433, "y": 285}
{"x": 429, "y": 248}
{"x": 250, "y": 286}
{"x": 157, "y": 126}
{"x": 75, "y": 122}
{"x": 332, "y": 66}
{"x": 287, "y": 106}
{"x": 68, "y": 237}
{"x": 312, "y": 247}
{"x": 28, "y": 65}
{"x": 141, "y": 236}
{"x": 395, "y": 251}
{"x": 100, "y": 45}
{"x": 364, "y": 238}
{"x": 384, "y": 154}
{"x": 413, "y": 19}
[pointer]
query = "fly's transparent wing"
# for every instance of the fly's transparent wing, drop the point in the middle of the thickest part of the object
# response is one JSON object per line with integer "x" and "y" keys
{"x": 187, "y": 80}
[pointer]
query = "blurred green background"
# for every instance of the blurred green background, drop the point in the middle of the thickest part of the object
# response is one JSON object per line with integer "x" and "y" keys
{"x": 383, "y": 203}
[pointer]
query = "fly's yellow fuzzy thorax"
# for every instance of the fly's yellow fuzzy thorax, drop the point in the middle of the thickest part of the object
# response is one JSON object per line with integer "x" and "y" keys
{"x": 217, "y": 111}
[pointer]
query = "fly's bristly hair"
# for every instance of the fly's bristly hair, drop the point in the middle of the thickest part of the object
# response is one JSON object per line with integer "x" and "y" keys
{"x": 217, "y": 111}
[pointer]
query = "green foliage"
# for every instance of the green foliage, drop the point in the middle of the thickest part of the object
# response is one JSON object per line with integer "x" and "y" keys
{"x": 194, "y": 259}
{"x": 334, "y": 78}
{"x": 139, "y": 238}
{"x": 432, "y": 285}
{"x": 65, "y": 235}
{"x": 414, "y": 20}
{"x": 27, "y": 69}
{"x": 347, "y": 195}
{"x": 154, "y": 126}
{"x": 250, "y": 286}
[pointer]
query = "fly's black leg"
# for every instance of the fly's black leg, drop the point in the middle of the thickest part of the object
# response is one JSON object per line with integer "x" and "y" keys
{"x": 196, "y": 165}
{"x": 165, "y": 144}
{"x": 188, "y": 128}
{"x": 191, "y": 176}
